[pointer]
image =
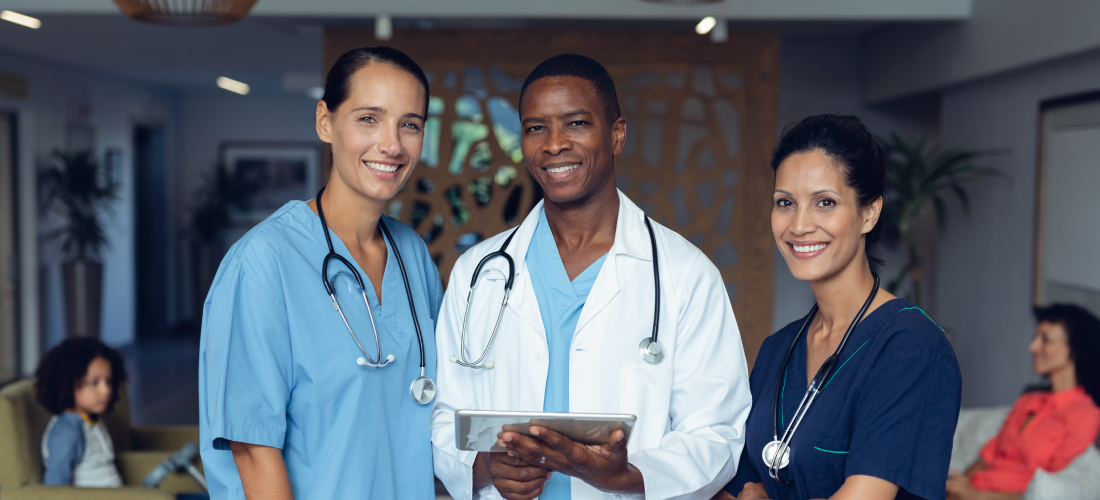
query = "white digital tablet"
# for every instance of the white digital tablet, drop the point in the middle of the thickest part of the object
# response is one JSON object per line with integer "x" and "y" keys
{"x": 477, "y": 430}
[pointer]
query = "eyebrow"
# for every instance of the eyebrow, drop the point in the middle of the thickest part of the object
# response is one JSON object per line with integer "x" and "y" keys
{"x": 382, "y": 111}
{"x": 376, "y": 109}
{"x": 565, "y": 115}
{"x": 815, "y": 193}
{"x": 575, "y": 112}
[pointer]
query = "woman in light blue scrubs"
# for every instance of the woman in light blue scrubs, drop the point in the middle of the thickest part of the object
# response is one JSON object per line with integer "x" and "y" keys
{"x": 292, "y": 403}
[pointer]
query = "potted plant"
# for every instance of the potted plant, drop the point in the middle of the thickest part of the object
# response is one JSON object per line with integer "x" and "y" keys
{"x": 76, "y": 187}
{"x": 920, "y": 175}
{"x": 221, "y": 194}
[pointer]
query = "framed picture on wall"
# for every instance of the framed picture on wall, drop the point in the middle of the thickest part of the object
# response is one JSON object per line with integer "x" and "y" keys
{"x": 273, "y": 172}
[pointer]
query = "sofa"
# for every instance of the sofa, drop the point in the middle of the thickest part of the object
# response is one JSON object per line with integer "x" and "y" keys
{"x": 1079, "y": 481}
{"x": 137, "y": 450}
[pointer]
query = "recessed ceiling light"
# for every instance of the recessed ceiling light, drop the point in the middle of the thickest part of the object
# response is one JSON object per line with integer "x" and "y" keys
{"x": 705, "y": 25}
{"x": 233, "y": 85}
{"x": 20, "y": 19}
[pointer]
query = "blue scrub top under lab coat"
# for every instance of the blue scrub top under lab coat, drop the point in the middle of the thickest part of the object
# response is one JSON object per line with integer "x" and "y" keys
{"x": 278, "y": 367}
{"x": 560, "y": 303}
{"x": 889, "y": 410}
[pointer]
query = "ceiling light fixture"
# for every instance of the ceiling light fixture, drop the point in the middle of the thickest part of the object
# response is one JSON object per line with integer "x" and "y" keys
{"x": 706, "y": 25}
{"x": 683, "y": 2}
{"x": 20, "y": 19}
{"x": 233, "y": 85}
{"x": 186, "y": 12}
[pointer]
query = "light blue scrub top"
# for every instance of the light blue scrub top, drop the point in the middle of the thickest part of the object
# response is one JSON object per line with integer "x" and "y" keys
{"x": 560, "y": 303}
{"x": 277, "y": 366}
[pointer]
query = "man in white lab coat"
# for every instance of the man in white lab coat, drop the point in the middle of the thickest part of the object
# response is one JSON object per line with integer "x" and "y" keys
{"x": 583, "y": 299}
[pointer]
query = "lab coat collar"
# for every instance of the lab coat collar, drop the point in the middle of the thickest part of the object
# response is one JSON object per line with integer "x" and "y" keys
{"x": 631, "y": 239}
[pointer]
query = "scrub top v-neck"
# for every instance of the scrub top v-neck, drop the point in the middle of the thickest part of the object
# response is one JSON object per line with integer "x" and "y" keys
{"x": 560, "y": 303}
{"x": 889, "y": 409}
{"x": 278, "y": 367}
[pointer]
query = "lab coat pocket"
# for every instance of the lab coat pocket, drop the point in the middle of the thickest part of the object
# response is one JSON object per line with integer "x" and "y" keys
{"x": 646, "y": 392}
{"x": 830, "y": 456}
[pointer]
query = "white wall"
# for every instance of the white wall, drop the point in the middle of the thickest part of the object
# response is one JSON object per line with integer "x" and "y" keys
{"x": 821, "y": 74}
{"x": 985, "y": 273}
{"x": 43, "y": 118}
{"x": 210, "y": 118}
{"x": 1000, "y": 35}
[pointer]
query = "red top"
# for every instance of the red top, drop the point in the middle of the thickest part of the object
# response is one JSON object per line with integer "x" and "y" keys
{"x": 1043, "y": 431}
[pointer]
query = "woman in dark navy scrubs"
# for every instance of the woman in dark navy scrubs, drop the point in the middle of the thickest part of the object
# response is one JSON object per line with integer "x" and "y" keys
{"x": 882, "y": 424}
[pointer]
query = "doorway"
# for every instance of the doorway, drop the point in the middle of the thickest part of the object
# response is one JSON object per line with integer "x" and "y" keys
{"x": 151, "y": 232}
{"x": 9, "y": 286}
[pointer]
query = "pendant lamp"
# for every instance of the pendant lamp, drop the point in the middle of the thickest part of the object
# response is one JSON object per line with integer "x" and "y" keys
{"x": 186, "y": 12}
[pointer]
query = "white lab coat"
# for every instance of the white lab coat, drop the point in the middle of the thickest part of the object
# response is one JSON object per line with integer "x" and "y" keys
{"x": 691, "y": 407}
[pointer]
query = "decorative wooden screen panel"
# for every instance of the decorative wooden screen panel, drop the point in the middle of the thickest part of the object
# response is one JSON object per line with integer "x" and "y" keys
{"x": 701, "y": 124}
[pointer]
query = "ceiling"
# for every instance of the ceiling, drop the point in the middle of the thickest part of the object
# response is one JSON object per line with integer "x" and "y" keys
{"x": 284, "y": 37}
{"x": 757, "y": 10}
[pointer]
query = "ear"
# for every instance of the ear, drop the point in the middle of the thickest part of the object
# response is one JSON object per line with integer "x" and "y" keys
{"x": 324, "y": 122}
{"x": 871, "y": 213}
{"x": 618, "y": 135}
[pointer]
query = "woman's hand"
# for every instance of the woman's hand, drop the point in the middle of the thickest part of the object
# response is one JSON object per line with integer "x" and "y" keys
{"x": 603, "y": 466}
{"x": 959, "y": 487}
{"x": 753, "y": 491}
{"x": 263, "y": 472}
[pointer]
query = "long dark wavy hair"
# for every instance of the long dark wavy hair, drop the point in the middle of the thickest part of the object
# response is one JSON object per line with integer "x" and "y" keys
{"x": 63, "y": 368}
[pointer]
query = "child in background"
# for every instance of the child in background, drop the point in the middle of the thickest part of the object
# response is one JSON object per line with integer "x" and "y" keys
{"x": 78, "y": 381}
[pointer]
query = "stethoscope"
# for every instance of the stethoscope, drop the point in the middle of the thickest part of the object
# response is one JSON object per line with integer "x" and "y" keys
{"x": 422, "y": 389}
{"x": 650, "y": 349}
{"x": 777, "y": 453}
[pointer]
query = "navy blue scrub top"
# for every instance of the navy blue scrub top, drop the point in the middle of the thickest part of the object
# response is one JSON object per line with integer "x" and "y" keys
{"x": 889, "y": 409}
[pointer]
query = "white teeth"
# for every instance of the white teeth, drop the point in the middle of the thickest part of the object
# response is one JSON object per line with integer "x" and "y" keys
{"x": 809, "y": 248}
{"x": 382, "y": 167}
{"x": 558, "y": 170}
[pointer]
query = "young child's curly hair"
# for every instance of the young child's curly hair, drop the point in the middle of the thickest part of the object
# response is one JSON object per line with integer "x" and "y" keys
{"x": 63, "y": 368}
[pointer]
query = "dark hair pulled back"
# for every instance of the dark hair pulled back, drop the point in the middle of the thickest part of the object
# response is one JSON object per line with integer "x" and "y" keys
{"x": 338, "y": 82}
{"x": 63, "y": 368}
{"x": 848, "y": 142}
{"x": 1083, "y": 332}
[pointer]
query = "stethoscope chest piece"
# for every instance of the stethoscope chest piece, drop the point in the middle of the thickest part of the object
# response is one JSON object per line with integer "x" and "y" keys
{"x": 771, "y": 455}
{"x": 422, "y": 390}
{"x": 651, "y": 351}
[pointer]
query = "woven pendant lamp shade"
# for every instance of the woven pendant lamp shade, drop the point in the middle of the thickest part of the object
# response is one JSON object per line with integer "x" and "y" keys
{"x": 186, "y": 12}
{"x": 683, "y": 2}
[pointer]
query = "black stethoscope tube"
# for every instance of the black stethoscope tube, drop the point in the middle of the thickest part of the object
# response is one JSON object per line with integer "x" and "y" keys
{"x": 819, "y": 378}
{"x": 656, "y": 282}
{"x": 358, "y": 279}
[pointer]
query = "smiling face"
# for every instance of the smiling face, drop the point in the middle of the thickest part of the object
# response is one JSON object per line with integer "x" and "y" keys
{"x": 817, "y": 222}
{"x": 568, "y": 144}
{"x": 377, "y": 133}
{"x": 93, "y": 392}
{"x": 1049, "y": 349}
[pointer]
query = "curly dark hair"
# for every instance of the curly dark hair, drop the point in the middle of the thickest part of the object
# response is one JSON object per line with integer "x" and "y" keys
{"x": 1083, "y": 330}
{"x": 63, "y": 368}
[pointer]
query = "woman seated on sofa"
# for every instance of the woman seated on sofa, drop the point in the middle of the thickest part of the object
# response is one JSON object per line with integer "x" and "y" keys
{"x": 1046, "y": 429}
